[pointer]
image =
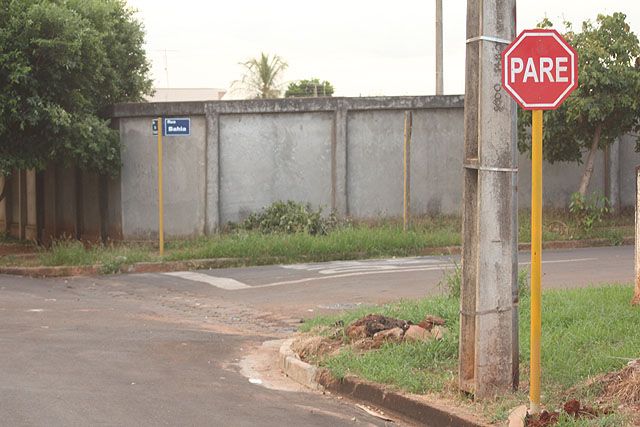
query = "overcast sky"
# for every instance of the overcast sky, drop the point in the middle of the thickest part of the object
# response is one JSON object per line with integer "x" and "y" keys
{"x": 363, "y": 47}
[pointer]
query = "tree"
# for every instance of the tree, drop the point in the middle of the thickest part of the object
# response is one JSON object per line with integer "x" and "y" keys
{"x": 308, "y": 88}
{"x": 606, "y": 104}
{"x": 62, "y": 64}
{"x": 262, "y": 76}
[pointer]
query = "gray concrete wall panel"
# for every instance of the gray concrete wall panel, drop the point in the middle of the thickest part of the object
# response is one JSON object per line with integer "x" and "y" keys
{"x": 184, "y": 180}
{"x": 270, "y": 157}
{"x": 559, "y": 181}
{"x": 374, "y": 163}
{"x": 629, "y": 159}
{"x": 436, "y": 157}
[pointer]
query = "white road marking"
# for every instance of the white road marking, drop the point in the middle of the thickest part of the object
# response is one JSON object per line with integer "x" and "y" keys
{"x": 340, "y": 269}
{"x": 378, "y": 269}
{"x": 560, "y": 261}
{"x": 337, "y": 267}
{"x": 361, "y": 273}
{"x": 219, "y": 282}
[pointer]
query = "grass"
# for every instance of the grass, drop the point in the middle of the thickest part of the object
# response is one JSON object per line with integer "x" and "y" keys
{"x": 362, "y": 239}
{"x": 561, "y": 225}
{"x": 111, "y": 258}
{"x": 355, "y": 241}
{"x": 586, "y": 332}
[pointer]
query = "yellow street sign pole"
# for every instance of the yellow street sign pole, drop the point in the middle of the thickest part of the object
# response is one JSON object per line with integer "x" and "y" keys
{"x": 536, "y": 255}
{"x": 160, "y": 195}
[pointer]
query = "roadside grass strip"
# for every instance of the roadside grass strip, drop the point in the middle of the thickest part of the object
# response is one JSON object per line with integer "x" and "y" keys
{"x": 354, "y": 240}
{"x": 585, "y": 332}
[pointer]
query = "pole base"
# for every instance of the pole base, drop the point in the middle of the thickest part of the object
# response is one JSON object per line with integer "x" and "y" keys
{"x": 534, "y": 408}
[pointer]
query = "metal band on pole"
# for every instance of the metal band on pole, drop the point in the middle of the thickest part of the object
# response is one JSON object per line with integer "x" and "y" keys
{"x": 490, "y": 168}
{"x": 488, "y": 39}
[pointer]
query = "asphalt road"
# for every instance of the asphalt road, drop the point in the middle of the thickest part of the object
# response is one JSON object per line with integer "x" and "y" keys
{"x": 187, "y": 348}
{"x": 302, "y": 290}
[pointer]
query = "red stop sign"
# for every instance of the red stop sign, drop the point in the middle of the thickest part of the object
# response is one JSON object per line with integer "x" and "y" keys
{"x": 539, "y": 69}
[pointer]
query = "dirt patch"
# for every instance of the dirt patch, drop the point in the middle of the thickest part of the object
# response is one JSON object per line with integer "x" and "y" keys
{"x": 371, "y": 324}
{"x": 365, "y": 334}
{"x": 545, "y": 419}
{"x": 622, "y": 388}
{"x": 572, "y": 407}
{"x": 312, "y": 348}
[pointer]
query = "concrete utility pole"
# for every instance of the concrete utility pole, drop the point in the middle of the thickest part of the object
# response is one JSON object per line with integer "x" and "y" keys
{"x": 439, "y": 76}
{"x": 489, "y": 297}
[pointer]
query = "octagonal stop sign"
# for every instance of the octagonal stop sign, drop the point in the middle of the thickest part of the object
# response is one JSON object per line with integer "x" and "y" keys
{"x": 539, "y": 69}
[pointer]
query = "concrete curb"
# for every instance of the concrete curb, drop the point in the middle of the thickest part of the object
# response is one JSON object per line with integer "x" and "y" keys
{"x": 62, "y": 271}
{"x": 299, "y": 371}
{"x": 414, "y": 409}
{"x": 216, "y": 263}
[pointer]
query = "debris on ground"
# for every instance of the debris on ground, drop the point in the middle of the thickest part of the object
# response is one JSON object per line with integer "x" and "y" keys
{"x": 517, "y": 416}
{"x": 373, "y": 412}
{"x": 394, "y": 335}
{"x": 430, "y": 321}
{"x": 416, "y": 333}
{"x": 371, "y": 324}
{"x": 367, "y": 333}
{"x": 374, "y": 330}
{"x": 574, "y": 408}
{"x": 544, "y": 419}
{"x": 571, "y": 407}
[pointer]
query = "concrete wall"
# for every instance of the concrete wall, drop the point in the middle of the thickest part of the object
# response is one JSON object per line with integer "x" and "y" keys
{"x": 559, "y": 181}
{"x": 340, "y": 153}
{"x": 628, "y": 159}
{"x": 184, "y": 185}
{"x": 375, "y": 162}
{"x": 269, "y": 157}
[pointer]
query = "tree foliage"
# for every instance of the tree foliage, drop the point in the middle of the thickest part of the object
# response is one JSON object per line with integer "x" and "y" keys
{"x": 62, "y": 64}
{"x": 606, "y": 104}
{"x": 309, "y": 88}
{"x": 262, "y": 76}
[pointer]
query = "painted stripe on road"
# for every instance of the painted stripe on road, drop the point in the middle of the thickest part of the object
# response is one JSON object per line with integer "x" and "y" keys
{"x": 560, "y": 261}
{"x": 219, "y": 282}
{"x": 398, "y": 270}
{"x": 234, "y": 285}
{"x": 361, "y": 273}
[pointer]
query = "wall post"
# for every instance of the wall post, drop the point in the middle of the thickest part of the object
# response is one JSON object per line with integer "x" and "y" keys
{"x": 612, "y": 175}
{"x": 31, "y": 226}
{"x": 339, "y": 165}
{"x": 212, "y": 171}
{"x": 3, "y": 207}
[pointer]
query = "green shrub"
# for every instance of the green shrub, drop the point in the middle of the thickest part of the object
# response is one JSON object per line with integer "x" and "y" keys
{"x": 588, "y": 210}
{"x": 290, "y": 217}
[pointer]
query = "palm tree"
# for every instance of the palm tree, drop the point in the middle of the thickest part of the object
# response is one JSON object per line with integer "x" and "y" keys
{"x": 262, "y": 75}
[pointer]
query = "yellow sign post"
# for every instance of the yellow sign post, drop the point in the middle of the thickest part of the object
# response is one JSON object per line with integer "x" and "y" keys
{"x": 160, "y": 195}
{"x": 537, "y": 90}
{"x": 536, "y": 259}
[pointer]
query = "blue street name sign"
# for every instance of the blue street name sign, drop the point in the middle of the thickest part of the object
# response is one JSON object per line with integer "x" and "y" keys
{"x": 173, "y": 127}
